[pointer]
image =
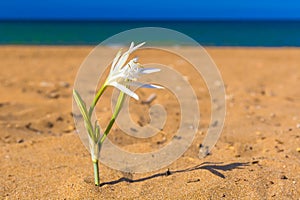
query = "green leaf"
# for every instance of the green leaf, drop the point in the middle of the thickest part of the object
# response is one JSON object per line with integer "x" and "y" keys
{"x": 82, "y": 107}
{"x": 97, "y": 131}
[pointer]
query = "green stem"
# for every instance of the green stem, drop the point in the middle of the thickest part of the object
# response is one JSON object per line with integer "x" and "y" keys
{"x": 115, "y": 115}
{"x": 97, "y": 97}
{"x": 96, "y": 172}
{"x": 112, "y": 121}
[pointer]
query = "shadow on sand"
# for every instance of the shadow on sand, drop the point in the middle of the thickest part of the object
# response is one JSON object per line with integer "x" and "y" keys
{"x": 214, "y": 168}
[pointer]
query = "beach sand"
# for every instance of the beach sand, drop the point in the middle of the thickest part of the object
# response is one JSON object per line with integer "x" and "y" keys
{"x": 256, "y": 157}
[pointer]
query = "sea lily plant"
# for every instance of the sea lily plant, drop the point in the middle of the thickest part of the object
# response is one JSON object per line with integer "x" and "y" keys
{"x": 122, "y": 76}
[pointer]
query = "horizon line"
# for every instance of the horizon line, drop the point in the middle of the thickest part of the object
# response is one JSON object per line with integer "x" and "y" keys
{"x": 151, "y": 20}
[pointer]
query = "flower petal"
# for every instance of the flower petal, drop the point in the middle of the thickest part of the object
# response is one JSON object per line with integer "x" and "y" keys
{"x": 125, "y": 90}
{"x": 117, "y": 74}
{"x": 115, "y": 60}
{"x": 131, "y": 45}
{"x": 125, "y": 56}
{"x": 148, "y": 70}
{"x": 154, "y": 86}
{"x": 143, "y": 85}
{"x": 136, "y": 47}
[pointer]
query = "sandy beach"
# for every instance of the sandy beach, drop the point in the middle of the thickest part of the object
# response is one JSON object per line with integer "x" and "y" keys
{"x": 256, "y": 157}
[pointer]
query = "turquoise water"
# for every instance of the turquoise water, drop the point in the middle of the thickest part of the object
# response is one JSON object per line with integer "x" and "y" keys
{"x": 207, "y": 33}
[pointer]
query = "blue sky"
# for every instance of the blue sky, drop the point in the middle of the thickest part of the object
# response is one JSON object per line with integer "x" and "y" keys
{"x": 149, "y": 9}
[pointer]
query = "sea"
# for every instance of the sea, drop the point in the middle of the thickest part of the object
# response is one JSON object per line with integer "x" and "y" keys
{"x": 206, "y": 33}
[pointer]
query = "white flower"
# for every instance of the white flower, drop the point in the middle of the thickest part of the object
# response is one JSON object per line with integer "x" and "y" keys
{"x": 122, "y": 76}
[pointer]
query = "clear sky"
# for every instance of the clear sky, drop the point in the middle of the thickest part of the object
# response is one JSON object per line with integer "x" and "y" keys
{"x": 149, "y": 9}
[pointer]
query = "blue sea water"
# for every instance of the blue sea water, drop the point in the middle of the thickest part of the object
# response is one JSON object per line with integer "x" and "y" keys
{"x": 207, "y": 33}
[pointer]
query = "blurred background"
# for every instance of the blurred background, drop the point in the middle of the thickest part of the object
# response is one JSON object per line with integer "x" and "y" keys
{"x": 211, "y": 23}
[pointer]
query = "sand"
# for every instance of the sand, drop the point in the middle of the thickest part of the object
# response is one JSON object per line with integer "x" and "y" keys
{"x": 256, "y": 157}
